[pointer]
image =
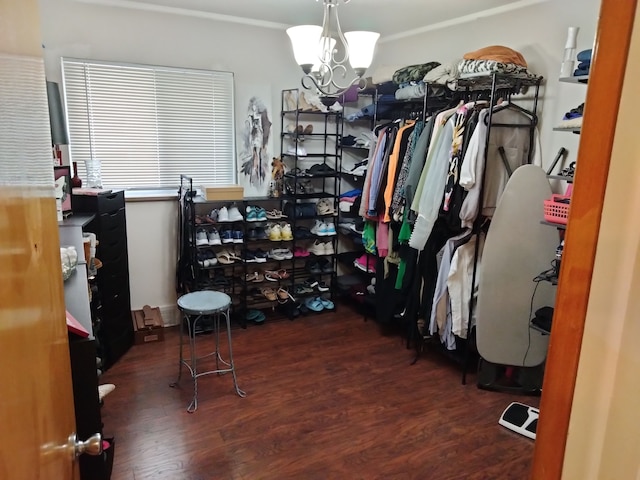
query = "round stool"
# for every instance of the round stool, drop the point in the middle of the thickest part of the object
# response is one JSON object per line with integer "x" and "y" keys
{"x": 195, "y": 306}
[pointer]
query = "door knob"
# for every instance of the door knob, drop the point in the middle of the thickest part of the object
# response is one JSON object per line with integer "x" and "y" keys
{"x": 90, "y": 446}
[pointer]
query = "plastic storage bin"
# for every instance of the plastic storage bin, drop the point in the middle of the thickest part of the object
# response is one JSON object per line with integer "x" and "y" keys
{"x": 555, "y": 211}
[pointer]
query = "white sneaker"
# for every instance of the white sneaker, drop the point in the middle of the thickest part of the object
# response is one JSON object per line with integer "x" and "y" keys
{"x": 320, "y": 229}
{"x": 318, "y": 248}
{"x": 234, "y": 214}
{"x": 276, "y": 254}
{"x": 336, "y": 107}
{"x": 328, "y": 248}
{"x": 214, "y": 237}
{"x": 283, "y": 252}
{"x": 223, "y": 215}
{"x": 299, "y": 150}
{"x": 330, "y": 228}
{"x": 201, "y": 238}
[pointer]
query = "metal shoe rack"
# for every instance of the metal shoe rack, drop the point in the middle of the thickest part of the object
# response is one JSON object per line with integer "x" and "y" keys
{"x": 232, "y": 278}
{"x": 322, "y": 148}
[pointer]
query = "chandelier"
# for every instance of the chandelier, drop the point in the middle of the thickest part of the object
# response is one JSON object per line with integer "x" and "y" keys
{"x": 323, "y": 52}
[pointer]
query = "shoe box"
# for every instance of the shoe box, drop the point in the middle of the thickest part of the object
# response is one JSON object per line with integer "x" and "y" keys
{"x": 226, "y": 192}
{"x": 148, "y": 325}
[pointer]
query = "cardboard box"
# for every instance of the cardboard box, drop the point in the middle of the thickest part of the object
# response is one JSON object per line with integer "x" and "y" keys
{"x": 223, "y": 192}
{"x": 147, "y": 325}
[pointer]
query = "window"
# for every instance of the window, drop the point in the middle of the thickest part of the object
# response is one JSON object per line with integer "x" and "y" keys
{"x": 147, "y": 124}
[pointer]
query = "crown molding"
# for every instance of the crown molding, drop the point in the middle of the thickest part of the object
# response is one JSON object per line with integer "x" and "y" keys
{"x": 460, "y": 20}
{"x": 135, "y": 5}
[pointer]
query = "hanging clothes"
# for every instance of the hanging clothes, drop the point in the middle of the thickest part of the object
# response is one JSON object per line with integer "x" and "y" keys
{"x": 446, "y": 152}
{"x": 374, "y": 154}
{"x": 440, "y": 321}
{"x": 397, "y": 153}
{"x": 378, "y": 177}
{"x": 397, "y": 201}
{"x": 516, "y": 145}
{"x": 459, "y": 284}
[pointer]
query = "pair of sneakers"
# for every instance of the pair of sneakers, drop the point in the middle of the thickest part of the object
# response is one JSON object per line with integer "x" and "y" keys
{"x": 280, "y": 254}
{"x": 279, "y": 232}
{"x": 256, "y": 214}
{"x": 232, "y": 236}
{"x": 231, "y": 214}
{"x": 322, "y": 248}
{"x": 323, "y": 229}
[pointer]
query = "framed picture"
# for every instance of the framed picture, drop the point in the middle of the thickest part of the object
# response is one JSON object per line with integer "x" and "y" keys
{"x": 62, "y": 178}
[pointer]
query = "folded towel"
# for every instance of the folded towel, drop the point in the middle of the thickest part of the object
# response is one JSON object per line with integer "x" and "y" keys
{"x": 571, "y": 124}
{"x": 444, "y": 75}
{"x": 584, "y": 56}
{"x": 579, "y": 73}
{"x": 498, "y": 53}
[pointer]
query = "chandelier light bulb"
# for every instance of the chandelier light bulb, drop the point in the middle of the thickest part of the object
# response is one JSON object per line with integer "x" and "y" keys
{"x": 323, "y": 52}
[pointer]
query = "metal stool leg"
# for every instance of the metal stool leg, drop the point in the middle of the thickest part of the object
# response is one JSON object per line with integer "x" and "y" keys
{"x": 180, "y": 359}
{"x": 216, "y": 328}
{"x": 193, "y": 406}
{"x": 241, "y": 393}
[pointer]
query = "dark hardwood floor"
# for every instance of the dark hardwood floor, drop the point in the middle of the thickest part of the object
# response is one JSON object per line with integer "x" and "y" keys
{"x": 328, "y": 397}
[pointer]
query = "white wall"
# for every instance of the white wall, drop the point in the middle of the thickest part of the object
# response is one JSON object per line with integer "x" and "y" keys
{"x": 538, "y": 32}
{"x": 262, "y": 63}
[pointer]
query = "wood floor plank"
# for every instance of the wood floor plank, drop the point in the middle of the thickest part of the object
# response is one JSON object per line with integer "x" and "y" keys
{"x": 328, "y": 397}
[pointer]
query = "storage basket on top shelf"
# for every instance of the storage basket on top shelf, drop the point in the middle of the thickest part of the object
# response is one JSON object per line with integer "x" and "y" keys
{"x": 556, "y": 209}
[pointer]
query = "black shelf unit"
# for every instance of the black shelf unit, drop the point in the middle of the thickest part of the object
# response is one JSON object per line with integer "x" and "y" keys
{"x": 231, "y": 278}
{"x": 115, "y": 334}
{"x": 228, "y": 278}
{"x": 323, "y": 146}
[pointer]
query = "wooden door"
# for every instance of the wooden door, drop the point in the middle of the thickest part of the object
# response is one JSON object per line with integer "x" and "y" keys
{"x": 36, "y": 405}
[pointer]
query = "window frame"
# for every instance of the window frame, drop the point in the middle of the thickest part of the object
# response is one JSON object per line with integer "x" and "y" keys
{"x": 155, "y": 192}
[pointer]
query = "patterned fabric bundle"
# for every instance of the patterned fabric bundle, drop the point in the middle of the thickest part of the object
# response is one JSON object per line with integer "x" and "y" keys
{"x": 467, "y": 67}
{"x": 413, "y": 73}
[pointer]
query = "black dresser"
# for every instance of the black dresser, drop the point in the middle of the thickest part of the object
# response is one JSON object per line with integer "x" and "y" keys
{"x": 110, "y": 226}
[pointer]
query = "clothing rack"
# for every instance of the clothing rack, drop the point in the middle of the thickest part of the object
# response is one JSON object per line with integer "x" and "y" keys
{"x": 492, "y": 88}
{"x": 409, "y": 109}
{"x": 502, "y": 86}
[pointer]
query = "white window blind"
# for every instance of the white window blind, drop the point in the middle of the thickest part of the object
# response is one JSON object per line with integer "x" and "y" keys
{"x": 147, "y": 124}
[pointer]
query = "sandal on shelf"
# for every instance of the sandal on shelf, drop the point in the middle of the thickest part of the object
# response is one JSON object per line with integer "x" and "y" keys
{"x": 282, "y": 274}
{"x": 254, "y": 277}
{"x": 284, "y": 295}
{"x": 326, "y": 303}
{"x": 236, "y": 254}
{"x": 225, "y": 257}
{"x": 271, "y": 276}
{"x": 314, "y": 304}
{"x": 275, "y": 215}
{"x": 269, "y": 294}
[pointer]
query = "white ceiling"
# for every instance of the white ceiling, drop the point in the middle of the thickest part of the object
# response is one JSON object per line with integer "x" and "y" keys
{"x": 392, "y": 18}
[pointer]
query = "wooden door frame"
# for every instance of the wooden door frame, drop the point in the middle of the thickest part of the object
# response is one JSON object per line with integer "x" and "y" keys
{"x": 610, "y": 53}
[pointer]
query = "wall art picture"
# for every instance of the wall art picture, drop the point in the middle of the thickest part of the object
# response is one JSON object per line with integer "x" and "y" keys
{"x": 254, "y": 157}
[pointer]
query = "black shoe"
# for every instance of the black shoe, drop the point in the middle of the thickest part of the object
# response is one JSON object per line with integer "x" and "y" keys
{"x": 314, "y": 268}
{"x": 325, "y": 265}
